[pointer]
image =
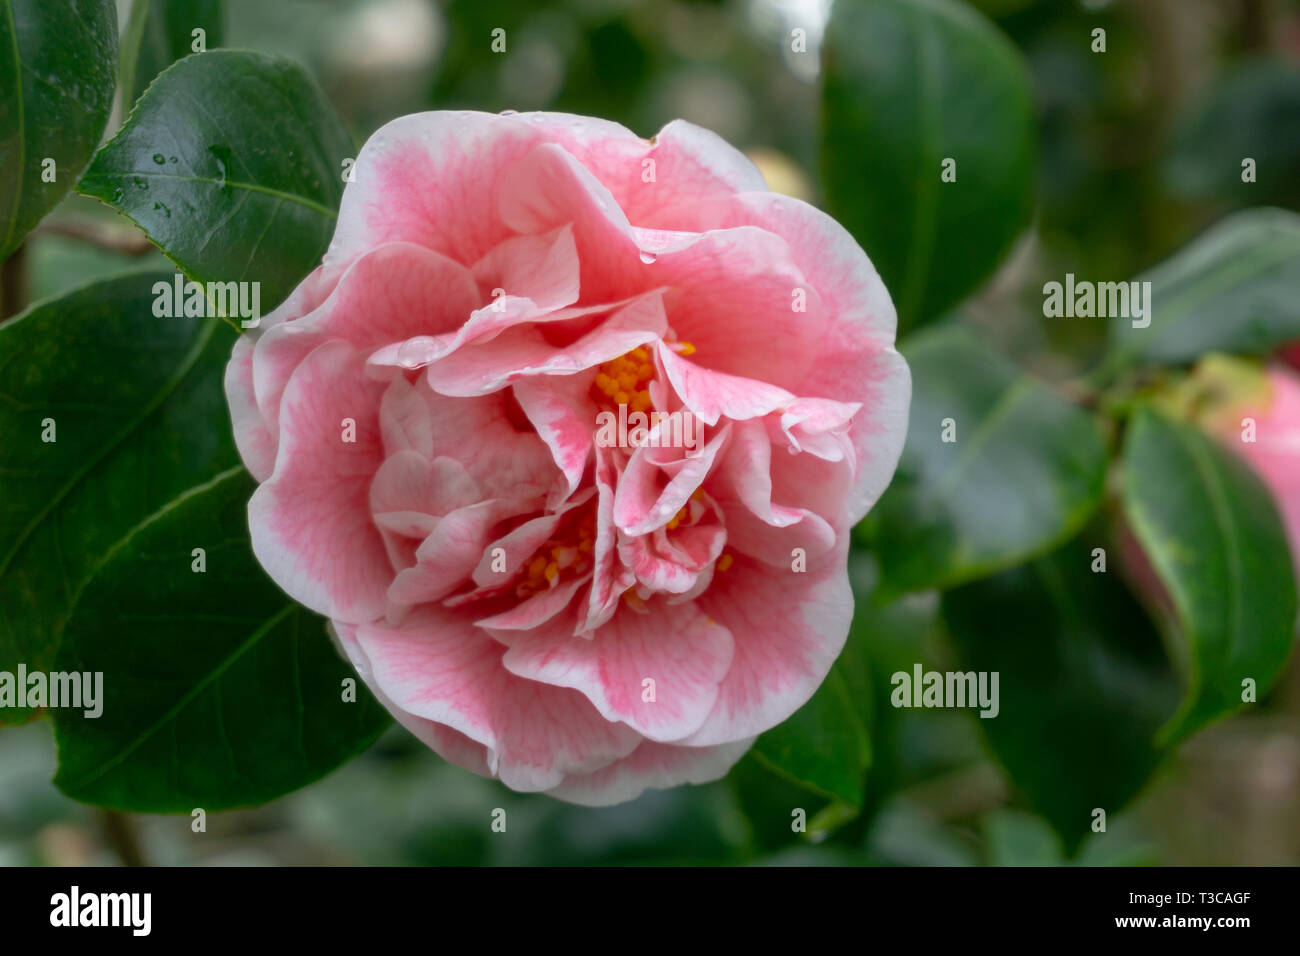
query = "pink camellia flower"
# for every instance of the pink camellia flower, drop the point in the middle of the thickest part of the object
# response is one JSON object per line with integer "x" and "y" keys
{"x": 573, "y": 608}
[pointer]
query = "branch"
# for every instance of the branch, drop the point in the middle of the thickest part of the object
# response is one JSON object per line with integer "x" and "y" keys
{"x": 105, "y": 235}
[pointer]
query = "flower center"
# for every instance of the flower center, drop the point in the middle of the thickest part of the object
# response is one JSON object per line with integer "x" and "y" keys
{"x": 567, "y": 555}
{"x": 626, "y": 379}
{"x": 688, "y": 514}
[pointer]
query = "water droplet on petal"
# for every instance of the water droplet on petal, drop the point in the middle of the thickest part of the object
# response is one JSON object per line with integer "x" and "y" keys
{"x": 648, "y": 257}
{"x": 411, "y": 353}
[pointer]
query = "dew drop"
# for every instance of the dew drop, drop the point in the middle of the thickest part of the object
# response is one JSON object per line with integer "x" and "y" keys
{"x": 648, "y": 257}
{"x": 160, "y": 159}
{"x": 410, "y": 354}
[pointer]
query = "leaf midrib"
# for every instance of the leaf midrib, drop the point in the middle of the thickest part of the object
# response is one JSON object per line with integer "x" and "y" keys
{"x": 251, "y": 187}
{"x": 200, "y": 686}
{"x": 164, "y": 393}
{"x": 1228, "y": 531}
{"x": 1149, "y": 534}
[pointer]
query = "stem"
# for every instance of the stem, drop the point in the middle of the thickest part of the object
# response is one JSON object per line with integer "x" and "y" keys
{"x": 101, "y": 234}
{"x": 120, "y": 833}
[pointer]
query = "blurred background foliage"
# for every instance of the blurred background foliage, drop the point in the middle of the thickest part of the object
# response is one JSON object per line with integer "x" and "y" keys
{"x": 1138, "y": 150}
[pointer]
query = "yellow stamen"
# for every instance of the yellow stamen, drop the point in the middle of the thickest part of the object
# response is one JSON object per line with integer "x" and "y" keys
{"x": 625, "y": 381}
{"x": 566, "y": 555}
{"x": 677, "y": 519}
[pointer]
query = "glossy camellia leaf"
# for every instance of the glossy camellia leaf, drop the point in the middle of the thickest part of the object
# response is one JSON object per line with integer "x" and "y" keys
{"x": 1232, "y": 290}
{"x": 1214, "y": 538}
{"x": 844, "y": 745}
{"x": 218, "y": 691}
{"x": 58, "y": 66}
{"x": 1024, "y": 472}
{"x": 108, "y": 414}
{"x": 1083, "y": 683}
{"x": 160, "y": 32}
{"x": 825, "y": 745}
{"x": 909, "y": 85}
{"x": 232, "y": 163}
{"x": 909, "y": 745}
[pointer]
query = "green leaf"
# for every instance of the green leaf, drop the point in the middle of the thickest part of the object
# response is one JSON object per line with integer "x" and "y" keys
{"x": 1232, "y": 290}
{"x": 160, "y": 32}
{"x": 909, "y": 84}
{"x": 231, "y": 163}
{"x": 1024, "y": 473}
{"x": 1213, "y": 536}
{"x": 58, "y": 63}
{"x": 138, "y": 416}
{"x": 218, "y": 691}
{"x": 910, "y": 746}
{"x": 824, "y": 746}
{"x": 1083, "y": 683}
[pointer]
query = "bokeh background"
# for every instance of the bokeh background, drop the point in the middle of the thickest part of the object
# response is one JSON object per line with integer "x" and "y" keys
{"x": 1133, "y": 147}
